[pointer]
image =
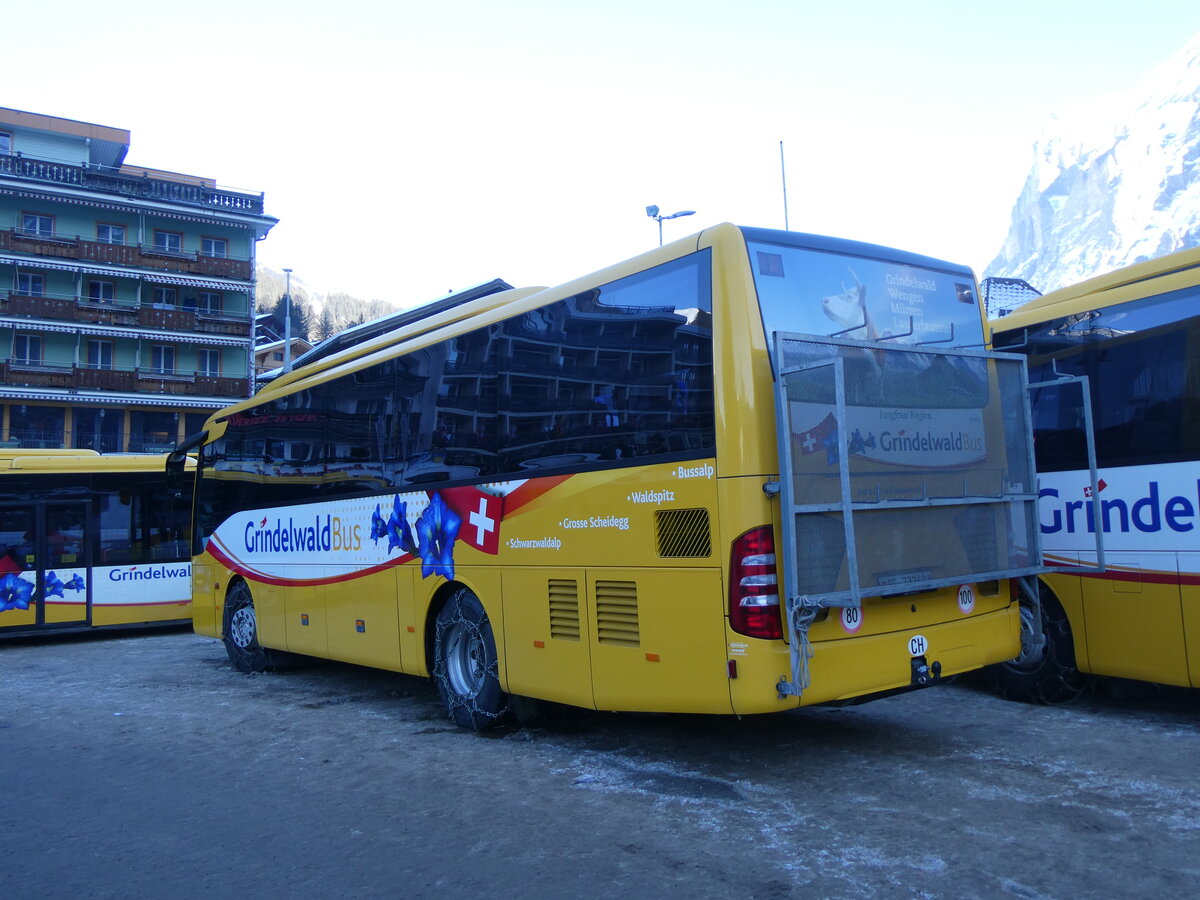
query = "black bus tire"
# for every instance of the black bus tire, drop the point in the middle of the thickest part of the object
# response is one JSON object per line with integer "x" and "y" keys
{"x": 465, "y": 666}
{"x": 1047, "y": 675}
{"x": 240, "y": 632}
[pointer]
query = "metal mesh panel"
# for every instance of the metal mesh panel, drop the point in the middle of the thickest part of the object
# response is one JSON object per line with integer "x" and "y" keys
{"x": 904, "y": 467}
{"x": 683, "y": 533}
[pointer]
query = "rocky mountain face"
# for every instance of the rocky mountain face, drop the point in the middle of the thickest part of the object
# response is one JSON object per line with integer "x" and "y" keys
{"x": 1112, "y": 186}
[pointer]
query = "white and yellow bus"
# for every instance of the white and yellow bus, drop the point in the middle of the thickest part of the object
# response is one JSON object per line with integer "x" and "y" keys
{"x": 747, "y": 471}
{"x": 1128, "y": 342}
{"x": 88, "y": 541}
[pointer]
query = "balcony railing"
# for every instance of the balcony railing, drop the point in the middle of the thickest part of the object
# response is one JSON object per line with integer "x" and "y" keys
{"x": 147, "y": 256}
{"x": 86, "y": 310}
{"x": 111, "y": 181}
{"x": 142, "y": 380}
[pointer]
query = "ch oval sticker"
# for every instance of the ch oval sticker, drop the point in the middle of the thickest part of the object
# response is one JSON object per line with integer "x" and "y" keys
{"x": 917, "y": 645}
{"x": 852, "y": 619}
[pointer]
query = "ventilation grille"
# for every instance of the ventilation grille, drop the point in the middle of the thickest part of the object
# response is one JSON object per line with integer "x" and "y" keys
{"x": 564, "y": 609}
{"x": 683, "y": 532}
{"x": 616, "y": 613}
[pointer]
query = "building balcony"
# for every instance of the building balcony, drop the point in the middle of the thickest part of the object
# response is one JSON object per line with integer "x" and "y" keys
{"x": 84, "y": 310}
{"x": 146, "y": 256}
{"x": 142, "y": 380}
{"x": 134, "y": 187}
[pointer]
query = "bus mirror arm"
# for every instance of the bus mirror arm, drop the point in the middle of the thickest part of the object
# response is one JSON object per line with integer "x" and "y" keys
{"x": 177, "y": 459}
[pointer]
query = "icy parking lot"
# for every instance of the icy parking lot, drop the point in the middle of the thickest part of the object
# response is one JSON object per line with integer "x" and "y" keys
{"x": 143, "y": 764}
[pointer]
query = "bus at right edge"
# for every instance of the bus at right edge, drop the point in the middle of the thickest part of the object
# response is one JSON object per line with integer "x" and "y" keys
{"x": 1132, "y": 338}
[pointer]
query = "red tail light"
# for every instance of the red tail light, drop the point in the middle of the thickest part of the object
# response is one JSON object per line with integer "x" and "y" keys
{"x": 754, "y": 586}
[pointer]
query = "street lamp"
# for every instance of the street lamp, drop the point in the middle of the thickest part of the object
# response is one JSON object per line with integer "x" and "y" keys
{"x": 652, "y": 212}
{"x": 287, "y": 322}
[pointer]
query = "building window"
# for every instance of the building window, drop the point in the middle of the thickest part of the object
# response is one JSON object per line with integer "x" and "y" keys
{"x": 210, "y": 363}
{"x": 36, "y": 223}
{"x": 218, "y": 247}
{"x": 164, "y": 296}
{"x": 102, "y": 291}
{"x": 27, "y": 349}
{"x": 170, "y": 241}
{"x": 110, "y": 234}
{"x": 5, "y": 142}
{"x": 100, "y": 354}
{"x": 30, "y": 284}
{"x": 162, "y": 359}
{"x": 277, "y": 356}
{"x": 210, "y": 302}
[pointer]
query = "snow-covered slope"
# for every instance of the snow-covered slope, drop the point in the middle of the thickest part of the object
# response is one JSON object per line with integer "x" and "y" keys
{"x": 1112, "y": 184}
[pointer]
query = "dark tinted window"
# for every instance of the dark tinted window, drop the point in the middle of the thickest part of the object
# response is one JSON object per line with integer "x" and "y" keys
{"x": 621, "y": 374}
{"x": 1142, "y": 361}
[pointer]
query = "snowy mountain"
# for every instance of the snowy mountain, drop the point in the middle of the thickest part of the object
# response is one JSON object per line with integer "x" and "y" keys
{"x": 1112, "y": 185}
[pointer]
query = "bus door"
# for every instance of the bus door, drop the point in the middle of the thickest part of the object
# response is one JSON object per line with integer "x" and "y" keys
{"x": 45, "y": 572}
{"x": 65, "y": 563}
{"x": 20, "y": 582}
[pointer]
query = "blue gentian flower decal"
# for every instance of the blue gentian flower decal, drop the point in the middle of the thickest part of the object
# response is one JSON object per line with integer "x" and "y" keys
{"x": 378, "y": 526}
{"x": 398, "y": 532}
{"x": 437, "y": 529}
{"x": 54, "y": 585}
{"x": 15, "y": 592}
{"x": 76, "y": 583}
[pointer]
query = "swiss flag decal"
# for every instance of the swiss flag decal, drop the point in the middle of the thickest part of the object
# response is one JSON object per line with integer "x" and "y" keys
{"x": 480, "y": 513}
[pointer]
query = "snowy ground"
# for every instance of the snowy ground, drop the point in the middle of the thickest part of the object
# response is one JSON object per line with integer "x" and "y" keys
{"x": 144, "y": 765}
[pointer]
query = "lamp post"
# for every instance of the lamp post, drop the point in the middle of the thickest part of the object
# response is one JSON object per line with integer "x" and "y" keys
{"x": 652, "y": 212}
{"x": 287, "y": 322}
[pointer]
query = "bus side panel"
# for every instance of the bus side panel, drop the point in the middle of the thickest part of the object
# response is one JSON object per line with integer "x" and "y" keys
{"x": 410, "y": 624}
{"x": 306, "y": 619}
{"x": 658, "y": 642}
{"x": 546, "y": 635}
{"x": 270, "y": 612}
{"x": 1069, "y": 591}
{"x": 205, "y": 573}
{"x": 1135, "y": 621}
{"x": 362, "y": 618}
{"x": 1190, "y": 602}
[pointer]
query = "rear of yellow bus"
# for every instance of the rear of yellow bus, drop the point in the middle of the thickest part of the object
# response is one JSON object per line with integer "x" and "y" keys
{"x": 932, "y": 600}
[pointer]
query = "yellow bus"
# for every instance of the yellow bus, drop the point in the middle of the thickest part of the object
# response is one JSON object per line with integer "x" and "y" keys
{"x": 743, "y": 472}
{"x": 89, "y": 541}
{"x": 1121, "y": 352}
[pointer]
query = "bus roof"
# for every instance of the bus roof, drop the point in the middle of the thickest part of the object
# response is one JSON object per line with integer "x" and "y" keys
{"x": 82, "y": 461}
{"x": 408, "y": 326}
{"x": 1176, "y": 270}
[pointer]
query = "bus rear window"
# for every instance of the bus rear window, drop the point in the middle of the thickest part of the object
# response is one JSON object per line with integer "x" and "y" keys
{"x": 835, "y": 295}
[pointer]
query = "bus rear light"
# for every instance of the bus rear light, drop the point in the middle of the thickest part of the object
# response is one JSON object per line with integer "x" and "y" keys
{"x": 754, "y": 586}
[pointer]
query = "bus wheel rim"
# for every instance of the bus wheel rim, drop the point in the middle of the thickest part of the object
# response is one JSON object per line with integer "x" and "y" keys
{"x": 241, "y": 627}
{"x": 1027, "y": 660}
{"x": 464, "y": 660}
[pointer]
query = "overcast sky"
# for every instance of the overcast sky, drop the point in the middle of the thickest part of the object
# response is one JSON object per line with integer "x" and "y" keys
{"x": 412, "y": 148}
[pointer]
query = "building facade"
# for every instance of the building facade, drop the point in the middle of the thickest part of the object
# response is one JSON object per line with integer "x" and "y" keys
{"x": 126, "y": 293}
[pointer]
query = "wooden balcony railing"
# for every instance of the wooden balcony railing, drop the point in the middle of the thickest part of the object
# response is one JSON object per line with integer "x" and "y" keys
{"x": 93, "y": 312}
{"x": 142, "y": 380}
{"x": 67, "y": 246}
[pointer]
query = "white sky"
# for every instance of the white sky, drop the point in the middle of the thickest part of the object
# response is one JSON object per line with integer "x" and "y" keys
{"x": 412, "y": 148}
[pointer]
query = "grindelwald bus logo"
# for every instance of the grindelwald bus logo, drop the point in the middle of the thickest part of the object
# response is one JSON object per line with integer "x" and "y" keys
{"x": 325, "y": 533}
